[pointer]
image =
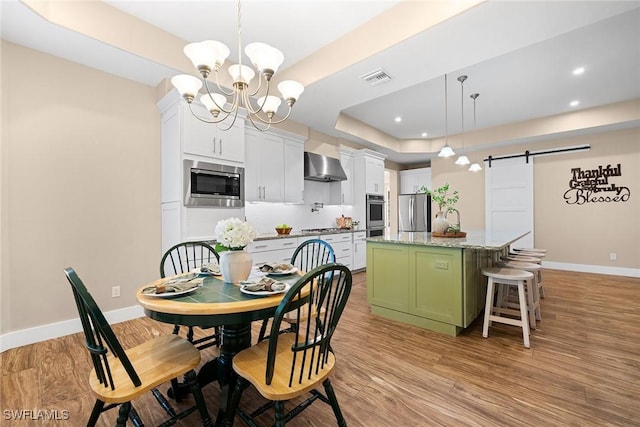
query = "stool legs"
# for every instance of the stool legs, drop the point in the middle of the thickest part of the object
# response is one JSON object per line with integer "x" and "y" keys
{"x": 489, "y": 317}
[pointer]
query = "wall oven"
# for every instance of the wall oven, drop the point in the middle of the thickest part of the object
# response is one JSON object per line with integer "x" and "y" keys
{"x": 375, "y": 215}
{"x": 210, "y": 184}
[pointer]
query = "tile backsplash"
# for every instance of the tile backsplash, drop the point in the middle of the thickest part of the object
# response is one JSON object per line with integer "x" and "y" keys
{"x": 265, "y": 216}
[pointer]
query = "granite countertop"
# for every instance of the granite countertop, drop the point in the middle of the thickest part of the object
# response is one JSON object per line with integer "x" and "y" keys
{"x": 314, "y": 232}
{"x": 478, "y": 239}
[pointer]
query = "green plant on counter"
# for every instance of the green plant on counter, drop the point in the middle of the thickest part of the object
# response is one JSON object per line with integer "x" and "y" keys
{"x": 441, "y": 196}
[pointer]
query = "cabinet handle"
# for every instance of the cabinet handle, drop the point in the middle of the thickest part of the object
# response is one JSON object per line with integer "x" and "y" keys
{"x": 259, "y": 194}
{"x": 287, "y": 244}
{"x": 260, "y": 246}
{"x": 220, "y": 146}
{"x": 214, "y": 145}
{"x": 264, "y": 192}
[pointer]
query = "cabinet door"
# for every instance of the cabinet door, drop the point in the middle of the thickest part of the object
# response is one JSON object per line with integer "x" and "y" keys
{"x": 341, "y": 192}
{"x": 197, "y": 135}
{"x": 374, "y": 171}
{"x": 264, "y": 169}
{"x": 293, "y": 171}
{"x": 359, "y": 250}
{"x": 229, "y": 144}
{"x": 388, "y": 283}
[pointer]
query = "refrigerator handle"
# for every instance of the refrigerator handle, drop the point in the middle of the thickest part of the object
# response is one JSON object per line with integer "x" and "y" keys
{"x": 411, "y": 224}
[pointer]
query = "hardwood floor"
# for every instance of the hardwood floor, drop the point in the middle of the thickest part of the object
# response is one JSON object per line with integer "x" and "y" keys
{"x": 583, "y": 368}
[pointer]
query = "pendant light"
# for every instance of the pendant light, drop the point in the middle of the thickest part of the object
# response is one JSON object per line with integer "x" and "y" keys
{"x": 475, "y": 167}
{"x": 462, "y": 160}
{"x": 446, "y": 151}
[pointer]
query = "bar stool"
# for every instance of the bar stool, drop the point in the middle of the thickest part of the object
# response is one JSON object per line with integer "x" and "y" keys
{"x": 533, "y": 298}
{"x": 538, "y": 250}
{"x": 510, "y": 277}
{"x": 533, "y": 253}
{"x": 521, "y": 258}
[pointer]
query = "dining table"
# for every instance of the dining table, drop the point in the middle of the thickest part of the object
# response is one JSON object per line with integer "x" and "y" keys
{"x": 222, "y": 304}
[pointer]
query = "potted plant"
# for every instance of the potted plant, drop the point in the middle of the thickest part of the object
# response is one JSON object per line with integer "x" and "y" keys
{"x": 446, "y": 199}
{"x": 232, "y": 236}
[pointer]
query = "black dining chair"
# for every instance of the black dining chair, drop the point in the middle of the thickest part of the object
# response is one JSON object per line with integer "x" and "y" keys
{"x": 307, "y": 256}
{"x": 182, "y": 258}
{"x": 120, "y": 376}
{"x": 286, "y": 366}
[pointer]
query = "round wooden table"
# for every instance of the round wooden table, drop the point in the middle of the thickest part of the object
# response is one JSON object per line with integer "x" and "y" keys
{"x": 221, "y": 304}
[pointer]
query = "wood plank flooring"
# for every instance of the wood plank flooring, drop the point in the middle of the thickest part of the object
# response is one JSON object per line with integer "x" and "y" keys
{"x": 583, "y": 368}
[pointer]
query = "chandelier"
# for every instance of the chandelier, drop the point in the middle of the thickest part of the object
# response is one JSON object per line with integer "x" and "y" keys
{"x": 462, "y": 160}
{"x": 446, "y": 151}
{"x": 208, "y": 56}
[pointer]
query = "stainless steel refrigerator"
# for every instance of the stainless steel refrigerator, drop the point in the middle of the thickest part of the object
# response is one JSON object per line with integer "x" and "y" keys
{"x": 414, "y": 212}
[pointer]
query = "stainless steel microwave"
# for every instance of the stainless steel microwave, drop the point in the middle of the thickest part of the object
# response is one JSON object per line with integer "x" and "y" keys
{"x": 210, "y": 184}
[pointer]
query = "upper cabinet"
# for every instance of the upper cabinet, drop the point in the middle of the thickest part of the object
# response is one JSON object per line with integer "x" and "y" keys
{"x": 341, "y": 192}
{"x": 208, "y": 140}
{"x": 374, "y": 172}
{"x": 413, "y": 179}
{"x": 274, "y": 167}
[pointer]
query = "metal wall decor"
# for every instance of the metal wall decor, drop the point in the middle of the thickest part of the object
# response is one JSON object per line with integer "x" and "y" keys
{"x": 593, "y": 186}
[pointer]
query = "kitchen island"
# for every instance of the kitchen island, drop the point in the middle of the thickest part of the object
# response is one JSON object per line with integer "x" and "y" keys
{"x": 432, "y": 282}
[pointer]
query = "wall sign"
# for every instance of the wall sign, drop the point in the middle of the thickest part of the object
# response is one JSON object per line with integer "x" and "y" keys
{"x": 595, "y": 186}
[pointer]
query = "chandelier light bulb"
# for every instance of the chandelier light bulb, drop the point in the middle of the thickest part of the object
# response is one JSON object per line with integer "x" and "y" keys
{"x": 241, "y": 73}
{"x": 475, "y": 168}
{"x": 462, "y": 160}
{"x": 446, "y": 151}
{"x": 188, "y": 86}
{"x": 265, "y": 58}
{"x": 290, "y": 90}
{"x": 214, "y": 105}
{"x": 270, "y": 104}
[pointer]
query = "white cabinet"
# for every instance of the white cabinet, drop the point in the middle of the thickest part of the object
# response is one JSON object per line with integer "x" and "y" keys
{"x": 272, "y": 250}
{"x": 274, "y": 169}
{"x": 293, "y": 171}
{"x": 341, "y": 192}
{"x": 264, "y": 169}
{"x": 342, "y": 247}
{"x": 412, "y": 180}
{"x": 359, "y": 250}
{"x": 207, "y": 140}
{"x": 374, "y": 172}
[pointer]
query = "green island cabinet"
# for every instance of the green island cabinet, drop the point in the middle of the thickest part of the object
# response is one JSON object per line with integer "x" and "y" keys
{"x": 429, "y": 283}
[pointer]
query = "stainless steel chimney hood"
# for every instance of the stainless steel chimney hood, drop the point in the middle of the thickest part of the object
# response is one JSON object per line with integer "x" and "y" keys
{"x": 322, "y": 168}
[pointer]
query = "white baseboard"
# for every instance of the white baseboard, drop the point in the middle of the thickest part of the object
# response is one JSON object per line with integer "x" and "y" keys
{"x": 595, "y": 269}
{"x": 60, "y": 329}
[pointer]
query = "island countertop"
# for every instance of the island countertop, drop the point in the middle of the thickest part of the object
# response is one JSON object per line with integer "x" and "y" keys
{"x": 477, "y": 239}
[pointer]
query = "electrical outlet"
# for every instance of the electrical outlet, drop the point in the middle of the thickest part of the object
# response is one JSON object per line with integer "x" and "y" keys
{"x": 612, "y": 256}
{"x": 115, "y": 292}
{"x": 442, "y": 265}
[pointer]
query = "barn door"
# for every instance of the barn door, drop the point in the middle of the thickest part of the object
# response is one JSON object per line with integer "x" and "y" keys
{"x": 509, "y": 198}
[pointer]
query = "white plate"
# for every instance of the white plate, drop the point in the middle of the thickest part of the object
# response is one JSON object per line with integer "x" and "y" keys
{"x": 151, "y": 291}
{"x": 206, "y": 273}
{"x": 263, "y": 293}
{"x": 283, "y": 273}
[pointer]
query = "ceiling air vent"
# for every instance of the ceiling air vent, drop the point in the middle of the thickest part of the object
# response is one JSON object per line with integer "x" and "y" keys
{"x": 376, "y": 77}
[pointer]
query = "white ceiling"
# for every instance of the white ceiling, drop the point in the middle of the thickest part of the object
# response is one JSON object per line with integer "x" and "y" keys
{"x": 518, "y": 55}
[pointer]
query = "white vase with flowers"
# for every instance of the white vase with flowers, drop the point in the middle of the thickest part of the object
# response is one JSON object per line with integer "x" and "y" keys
{"x": 232, "y": 236}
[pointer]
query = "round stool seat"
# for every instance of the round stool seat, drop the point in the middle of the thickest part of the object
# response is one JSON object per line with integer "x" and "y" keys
{"x": 531, "y": 254}
{"x": 544, "y": 251}
{"x": 507, "y": 273}
{"x": 521, "y": 265}
{"x": 522, "y": 258}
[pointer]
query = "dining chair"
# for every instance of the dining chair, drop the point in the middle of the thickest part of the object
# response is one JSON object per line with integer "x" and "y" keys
{"x": 120, "y": 376}
{"x": 286, "y": 366}
{"x": 307, "y": 256}
{"x": 182, "y": 258}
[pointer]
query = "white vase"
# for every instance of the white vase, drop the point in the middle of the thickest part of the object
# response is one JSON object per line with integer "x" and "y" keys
{"x": 235, "y": 266}
{"x": 440, "y": 223}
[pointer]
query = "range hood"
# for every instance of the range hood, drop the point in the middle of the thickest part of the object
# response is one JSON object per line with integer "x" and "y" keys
{"x": 322, "y": 168}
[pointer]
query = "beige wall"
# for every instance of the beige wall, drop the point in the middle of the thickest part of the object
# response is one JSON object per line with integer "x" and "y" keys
{"x": 80, "y": 172}
{"x": 584, "y": 234}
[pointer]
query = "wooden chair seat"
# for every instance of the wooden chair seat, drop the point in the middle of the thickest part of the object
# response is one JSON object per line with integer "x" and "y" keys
{"x": 250, "y": 364}
{"x": 156, "y": 361}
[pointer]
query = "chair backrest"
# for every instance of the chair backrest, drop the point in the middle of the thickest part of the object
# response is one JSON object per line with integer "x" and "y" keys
{"x": 311, "y": 254}
{"x": 186, "y": 256}
{"x": 99, "y": 337}
{"x": 330, "y": 286}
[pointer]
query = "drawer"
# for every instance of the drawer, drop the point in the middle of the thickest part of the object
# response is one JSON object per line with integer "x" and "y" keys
{"x": 335, "y": 238}
{"x": 273, "y": 245}
{"x": 280, "y": 255}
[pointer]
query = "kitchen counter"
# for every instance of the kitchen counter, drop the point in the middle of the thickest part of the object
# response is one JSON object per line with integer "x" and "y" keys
{"x": 432, "y": 282}
{"x": 304, "y": 233}
{"x": 474, "y": 240}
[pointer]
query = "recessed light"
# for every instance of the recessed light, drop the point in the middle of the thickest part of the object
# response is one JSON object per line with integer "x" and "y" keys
{"x": 398, "y": 119}
{"x": 574, "y": 103}
{"x": 424, "y": 134}
{"x": 578, "y": 71}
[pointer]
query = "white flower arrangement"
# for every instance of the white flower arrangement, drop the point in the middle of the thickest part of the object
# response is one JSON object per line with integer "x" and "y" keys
{"x": 233, "y": 234}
